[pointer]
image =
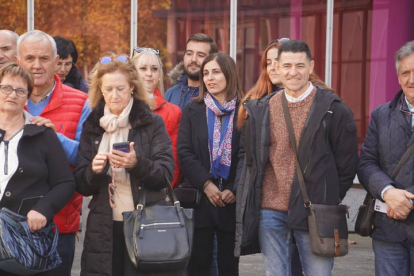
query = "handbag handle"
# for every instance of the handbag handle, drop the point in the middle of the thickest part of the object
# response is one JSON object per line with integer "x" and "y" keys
{"x": 289, "y": 124}
{"x": 142, "y": 202}
{"x": 140, "y": 198}
{"x": 19, "y": 223}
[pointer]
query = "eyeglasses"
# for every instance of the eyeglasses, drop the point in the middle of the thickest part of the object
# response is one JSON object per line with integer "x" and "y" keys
{"x": 142, "y": 49}
{"x": 280, "y": 40}
{"x": 112, "y": 190}
{"x": 406, "y": 112}
{"x": 105, "y": 60}
{"x": 20, "y": 92}
{"x": 67, "y": 65}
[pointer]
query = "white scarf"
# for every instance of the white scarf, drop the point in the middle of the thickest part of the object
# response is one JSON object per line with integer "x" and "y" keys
{"x": 116, "y": 130}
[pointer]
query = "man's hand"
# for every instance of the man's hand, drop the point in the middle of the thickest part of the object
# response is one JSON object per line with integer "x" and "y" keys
{"x": 36, "y": 220}
{"x": 40, "y": 121}
{"x": 398, "y": 202}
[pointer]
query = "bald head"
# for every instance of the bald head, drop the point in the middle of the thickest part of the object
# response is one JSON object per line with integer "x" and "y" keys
{"x": 8, "y": 46}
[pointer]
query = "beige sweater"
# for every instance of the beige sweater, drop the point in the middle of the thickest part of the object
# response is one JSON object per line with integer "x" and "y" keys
{"x": 280, "y": 170}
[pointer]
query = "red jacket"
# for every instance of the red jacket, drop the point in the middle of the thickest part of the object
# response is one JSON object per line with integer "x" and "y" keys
{"x": 64, "y": 110}
{"x": 171, "y": 115}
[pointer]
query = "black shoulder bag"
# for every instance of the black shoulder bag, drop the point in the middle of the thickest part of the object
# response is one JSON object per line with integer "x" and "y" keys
{"x": 158, "y": 237}
{"x": 365, "y": 218}
{"x": 328, "y": 229}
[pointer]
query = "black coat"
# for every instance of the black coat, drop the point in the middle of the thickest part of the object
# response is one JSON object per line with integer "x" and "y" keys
{"x": 194, "y": 158}
{"x": 43, "y": 181}
{"x": 155, "y": 160}
{"x": 328, "y": 155}
{"x": 389, "y": 135}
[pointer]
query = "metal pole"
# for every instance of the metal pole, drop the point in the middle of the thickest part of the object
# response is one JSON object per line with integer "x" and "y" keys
{"x": 329, "y": 35}
{"x": 233, "y": 29}
{"x": 134, "y": 25}
{"x": 30, "y": 15}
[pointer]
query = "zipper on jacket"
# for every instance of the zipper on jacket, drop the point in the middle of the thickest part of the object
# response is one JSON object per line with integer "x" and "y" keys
{"x": 142, "y": 228}
{"x": 6, "y": 157}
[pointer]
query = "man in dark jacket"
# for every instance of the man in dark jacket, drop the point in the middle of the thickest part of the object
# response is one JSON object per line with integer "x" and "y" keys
{"x": 389, "y": 135}
{"x": 187, "y": 73}
{"x": 270, "y": 209}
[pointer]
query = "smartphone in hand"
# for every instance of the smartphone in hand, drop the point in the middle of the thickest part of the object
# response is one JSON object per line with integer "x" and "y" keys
{"x": 122, "y": 146}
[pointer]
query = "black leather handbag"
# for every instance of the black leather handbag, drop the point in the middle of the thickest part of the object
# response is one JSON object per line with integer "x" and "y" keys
{"x": 365, "y": 218}
{"x": 188, "y": 195}
{"x": 23, "y": 252}
{"x": 158, "y": 237}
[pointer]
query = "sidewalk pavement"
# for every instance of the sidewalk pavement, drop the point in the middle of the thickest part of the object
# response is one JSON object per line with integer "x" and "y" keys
{"x": 358, "y": 262}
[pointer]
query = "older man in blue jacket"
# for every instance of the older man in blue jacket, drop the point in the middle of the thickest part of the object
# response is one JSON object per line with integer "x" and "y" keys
{"x": 389, "y": 135}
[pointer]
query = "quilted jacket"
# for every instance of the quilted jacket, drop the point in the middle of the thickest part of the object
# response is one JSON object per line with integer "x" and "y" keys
{"x": 389, "y": 135}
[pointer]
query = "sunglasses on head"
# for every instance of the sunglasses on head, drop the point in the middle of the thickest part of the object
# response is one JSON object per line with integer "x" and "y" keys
{"x": 142, "y": 49}
{"x": 105, "y": 60}
{"x": 280, "y": 40}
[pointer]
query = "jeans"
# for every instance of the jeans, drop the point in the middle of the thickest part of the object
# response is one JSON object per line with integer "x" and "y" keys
{"x": 275, "y": 243}
{"x": 393, "y": 258}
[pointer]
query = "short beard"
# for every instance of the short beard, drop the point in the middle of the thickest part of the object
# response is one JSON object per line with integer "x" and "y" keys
{"x": 193, "y": 76}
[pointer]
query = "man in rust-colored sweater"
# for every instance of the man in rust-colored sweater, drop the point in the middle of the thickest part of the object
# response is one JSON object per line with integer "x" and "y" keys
{"x": 326, "y": 139}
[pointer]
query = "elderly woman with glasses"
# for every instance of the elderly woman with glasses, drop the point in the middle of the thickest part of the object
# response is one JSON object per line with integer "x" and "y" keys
{"x": 66, "y": 68}
{"x": 150, "y": 75}
{"x": 120, "y": 113}
{"x": 35, "y": 181}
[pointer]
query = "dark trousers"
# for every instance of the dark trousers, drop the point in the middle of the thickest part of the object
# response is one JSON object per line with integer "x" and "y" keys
{"x": 66, "y": 249}
{"x": 121, "y": 263}
{"x": 202, "y": 253}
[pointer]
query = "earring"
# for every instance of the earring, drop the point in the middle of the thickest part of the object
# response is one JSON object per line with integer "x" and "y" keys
{"x": 132, "y": 93}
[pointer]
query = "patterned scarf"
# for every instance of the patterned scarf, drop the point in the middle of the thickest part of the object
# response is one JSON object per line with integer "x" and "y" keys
{"x": 220, "y": 133}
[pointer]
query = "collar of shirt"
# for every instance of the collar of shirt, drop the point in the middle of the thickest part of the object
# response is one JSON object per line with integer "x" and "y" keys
{"x": 410, "y": 106}
{"x": 35, "y": 109}
{"x": 301, "y": 97}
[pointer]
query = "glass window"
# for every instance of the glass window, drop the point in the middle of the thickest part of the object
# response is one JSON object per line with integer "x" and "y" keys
{"x": 260, "y": 22}
{"x": 168, "y": 24}
{"x": 351, "y": 53}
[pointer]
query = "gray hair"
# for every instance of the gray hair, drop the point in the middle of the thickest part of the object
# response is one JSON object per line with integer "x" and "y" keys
{"x": 34, "y": 36}
{"x": 12, "y": 34}
{"x": 403, "y": 52}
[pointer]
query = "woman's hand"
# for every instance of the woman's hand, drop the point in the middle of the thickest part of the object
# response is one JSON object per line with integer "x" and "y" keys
{"x": 228, "y": 197}
{"x": 120, "y": 159}
{"x": 213, "y": 194}
{"x": 36, "y": 220}
{"x": 99, "y": 162}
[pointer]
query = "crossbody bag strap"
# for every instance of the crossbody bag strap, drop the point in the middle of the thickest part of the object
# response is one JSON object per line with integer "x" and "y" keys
{"x": 289, "y": 124}
{"x": 402, "y": 161}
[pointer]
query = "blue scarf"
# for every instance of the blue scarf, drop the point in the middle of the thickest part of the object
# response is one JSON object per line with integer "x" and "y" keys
{"x": 220, "y": 133}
